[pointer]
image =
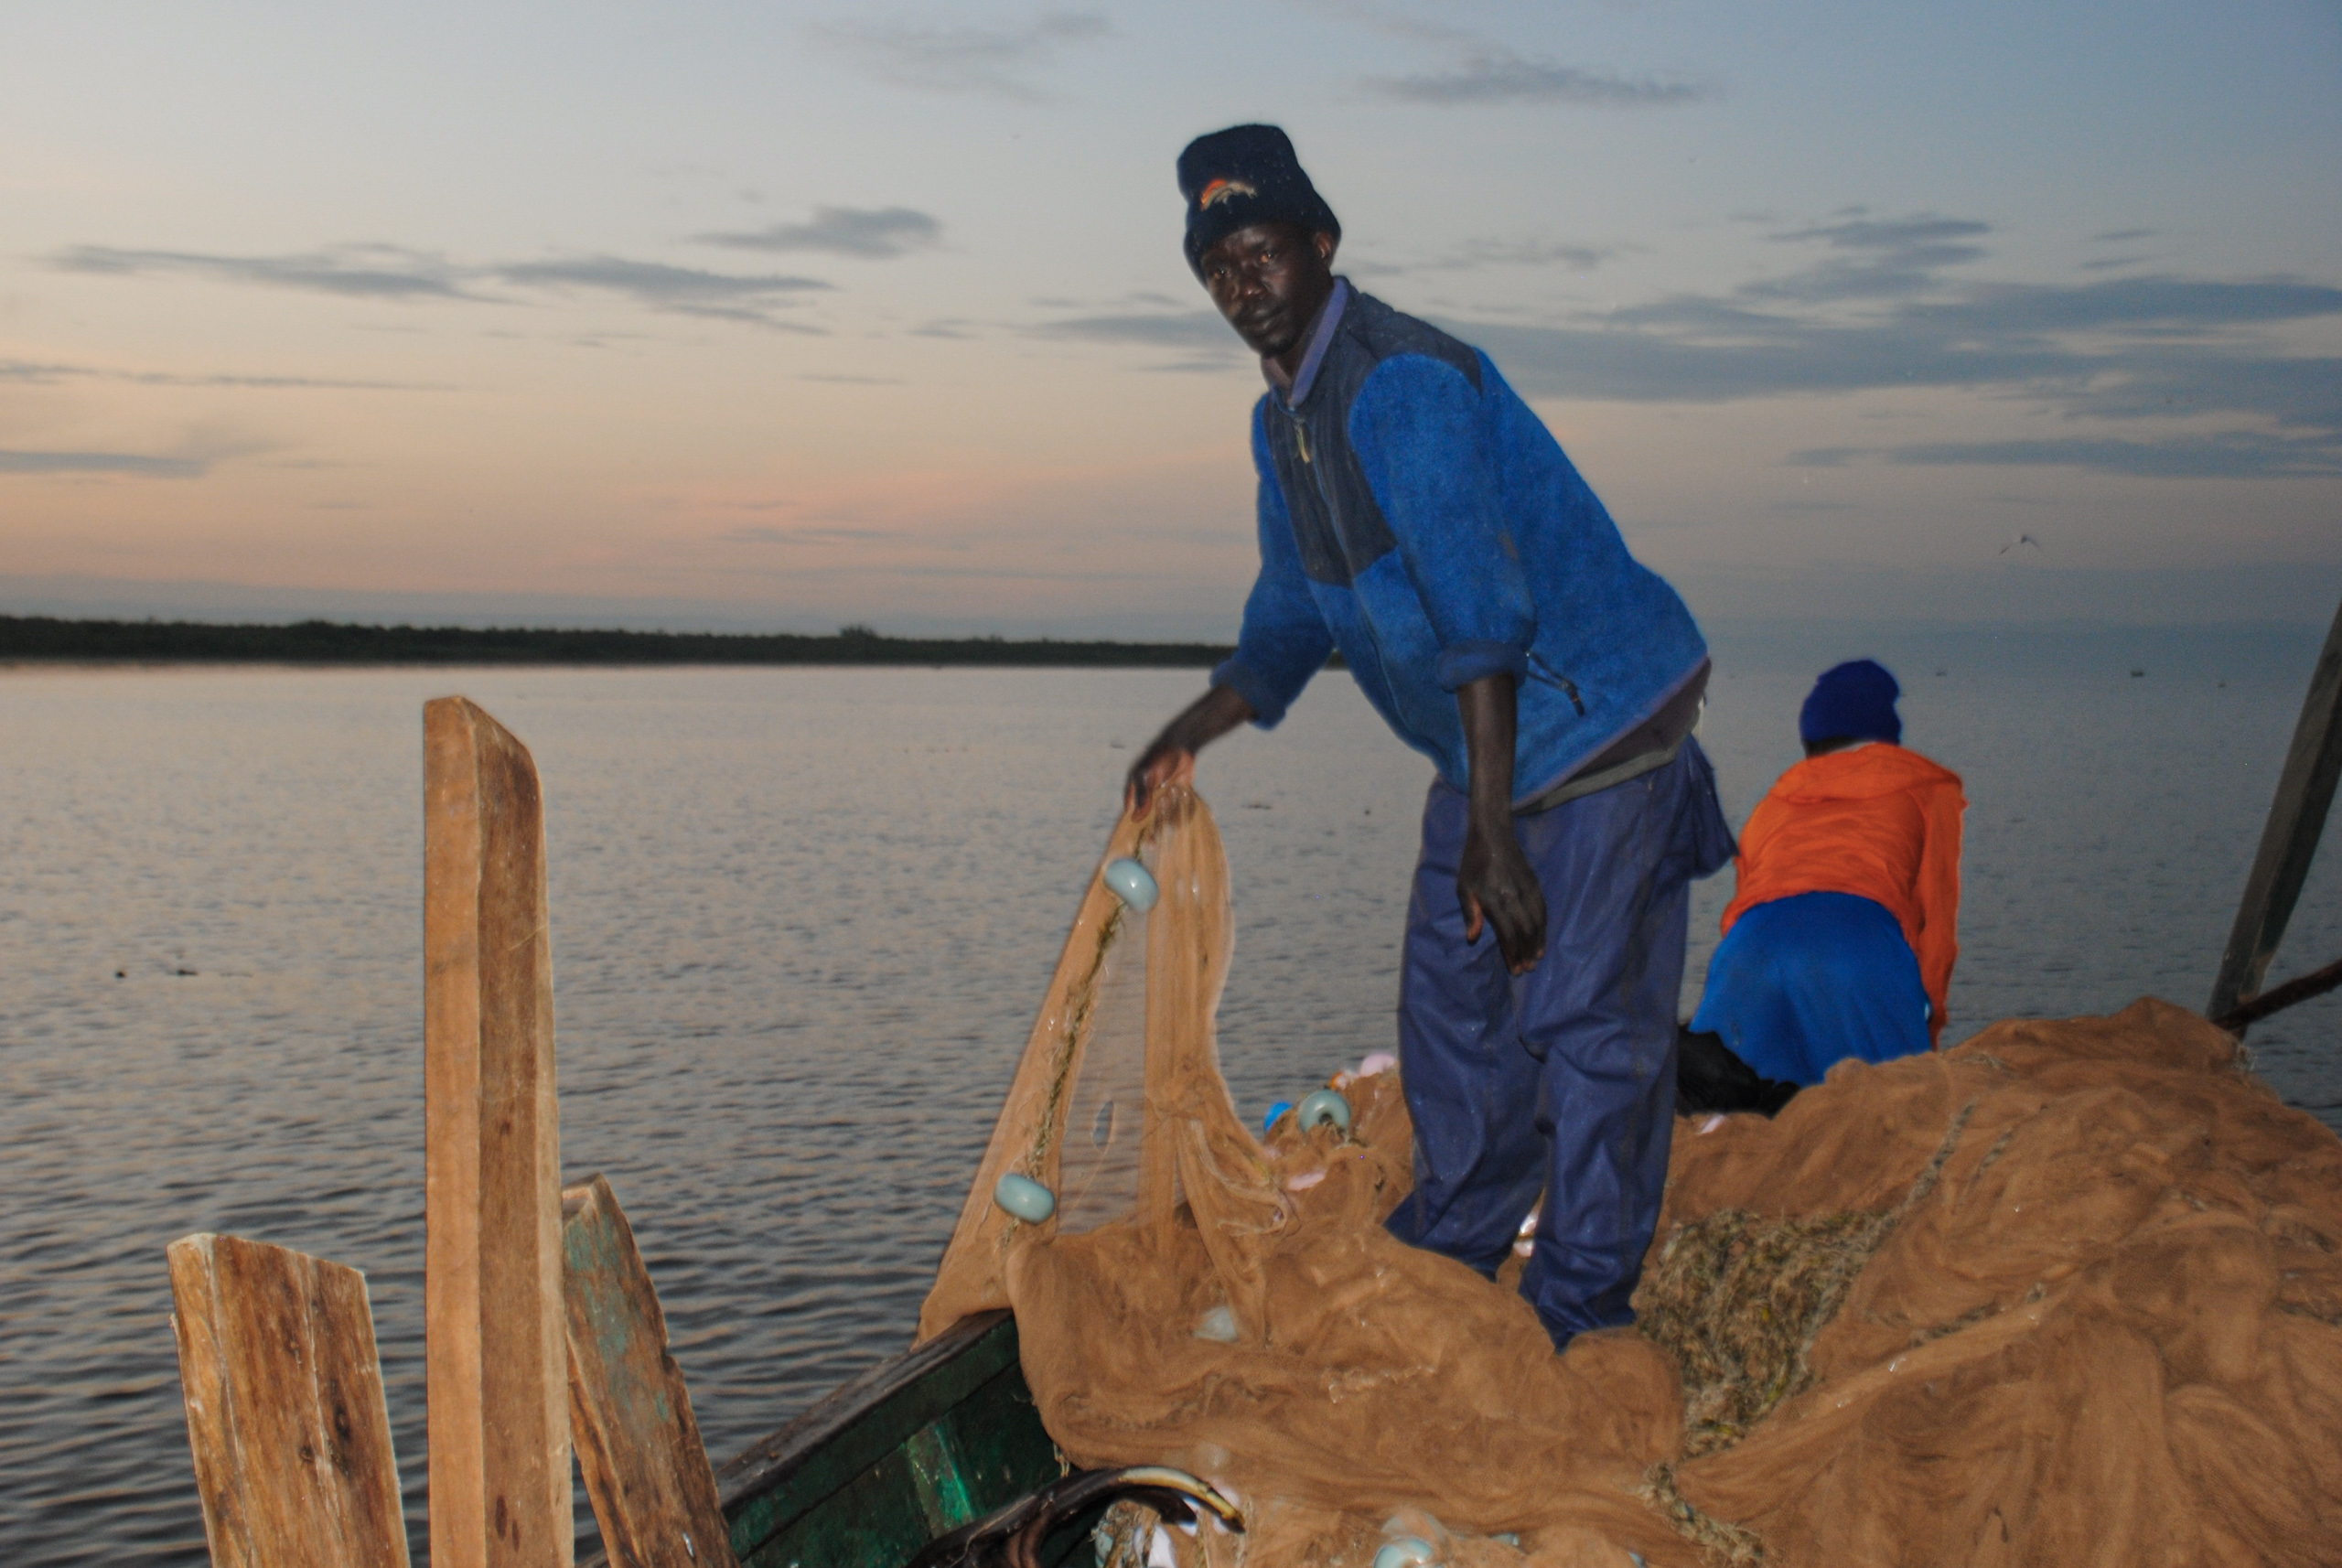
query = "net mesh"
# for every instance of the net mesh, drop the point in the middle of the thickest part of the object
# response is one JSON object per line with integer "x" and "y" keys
{"x": 1097, "y": 1164}
{"x": 1119, "y": 1093}
{"x": 2069, "y": 1292}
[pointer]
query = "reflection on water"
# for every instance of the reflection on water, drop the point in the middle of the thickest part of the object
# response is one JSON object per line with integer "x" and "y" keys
{"x": 801, "y": 921}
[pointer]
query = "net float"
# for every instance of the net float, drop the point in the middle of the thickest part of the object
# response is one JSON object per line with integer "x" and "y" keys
{"x": 1131, "y": 883}
{"x": 1326, "y": 1105}
{"x": 1025, "y": 1199}
{"x": 1407, "y": 1552}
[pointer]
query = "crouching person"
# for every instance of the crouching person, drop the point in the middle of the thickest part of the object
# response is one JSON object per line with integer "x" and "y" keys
{"x": 1840, "y": 937}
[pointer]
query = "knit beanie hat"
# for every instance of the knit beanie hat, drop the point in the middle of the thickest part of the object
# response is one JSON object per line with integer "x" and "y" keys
{"x": 1854, "y": 701}
{"x": 1243, "y": 176}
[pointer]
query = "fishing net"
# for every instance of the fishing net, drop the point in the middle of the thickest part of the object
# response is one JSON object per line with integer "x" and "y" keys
{"x": 2070, "y": 1292}
{"x": 1118, "y": 1107}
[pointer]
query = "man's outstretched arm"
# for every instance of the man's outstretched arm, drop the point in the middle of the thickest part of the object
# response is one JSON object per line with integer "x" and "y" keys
{"x": 1170, "y": 757}
{"x": 1495, "y": 879}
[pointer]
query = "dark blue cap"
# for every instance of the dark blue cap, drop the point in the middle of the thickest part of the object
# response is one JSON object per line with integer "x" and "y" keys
{"x": 1243, "y": 176}
{"x": 1855, "y": 701}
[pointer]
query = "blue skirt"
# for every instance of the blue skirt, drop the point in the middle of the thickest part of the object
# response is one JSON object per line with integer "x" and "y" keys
{"x": 1802, "y": 983}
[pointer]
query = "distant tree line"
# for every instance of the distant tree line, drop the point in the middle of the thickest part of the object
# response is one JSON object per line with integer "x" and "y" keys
{"x": 43, "y": 638}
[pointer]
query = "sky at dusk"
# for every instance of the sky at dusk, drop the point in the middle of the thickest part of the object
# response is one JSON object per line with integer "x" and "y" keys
{"x": 784, "y": 316}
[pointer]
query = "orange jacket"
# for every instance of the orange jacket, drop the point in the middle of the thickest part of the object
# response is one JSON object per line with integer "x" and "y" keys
{"x": 1877, "y": 821}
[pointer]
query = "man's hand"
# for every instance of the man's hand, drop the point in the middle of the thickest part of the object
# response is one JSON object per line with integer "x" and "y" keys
{"x": 1499, "y": 889}
{"x": 1170, "y": 757}
{"x": 1164, "y": 762}
{"x": 1494, "y": 879}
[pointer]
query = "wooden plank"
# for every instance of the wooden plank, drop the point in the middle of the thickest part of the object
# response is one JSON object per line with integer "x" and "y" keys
{"x": 2289, "y": 839}
{"x": 285, "y": 1408}
{"x": 492, "y": 1312}
{"x": 631, "y": 1415}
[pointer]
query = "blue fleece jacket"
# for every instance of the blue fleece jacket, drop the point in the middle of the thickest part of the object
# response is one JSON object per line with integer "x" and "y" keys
{"x": 1415, "y": 513}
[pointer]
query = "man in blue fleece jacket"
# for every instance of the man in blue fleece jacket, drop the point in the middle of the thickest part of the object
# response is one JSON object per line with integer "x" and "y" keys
{"x": 1416, "y": 514}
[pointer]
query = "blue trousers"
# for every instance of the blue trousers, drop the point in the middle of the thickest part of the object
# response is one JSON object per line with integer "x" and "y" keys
{"x": 1564, "y": 1079}
{"x": 1804, "y": 981}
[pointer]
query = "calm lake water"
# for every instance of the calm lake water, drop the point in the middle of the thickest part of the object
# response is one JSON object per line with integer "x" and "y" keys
{"x": 801, "y": 919}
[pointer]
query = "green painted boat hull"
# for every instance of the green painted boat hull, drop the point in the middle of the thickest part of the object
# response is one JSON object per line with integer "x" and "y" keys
{"x": 913, "y": 1448}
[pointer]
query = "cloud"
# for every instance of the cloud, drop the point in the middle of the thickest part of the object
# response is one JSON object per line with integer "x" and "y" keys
{"x": 1694, "y": 350}
{"x": 2295, "y": 391}
{"x": 2230, "y": 454}
{"x": 1877, "y": 310}
{"x": 361, "y": 272}
{"x": 1388, "y": 21}
{"x": 1201, "y": 338}
{"x": 1189, "y": 331}
{"x": 390, "y": 272}
{"x": 1923, "y": 234}
{"x": 270, "y": 384}
{"x": 1501, "y": 76}
{"x": 1722, "y": 360}
{"x": 139, "y": 464}
{"x": 767, "y": 534}
{"x": 37, "y": 374}
{"x": 1881, "y": 307}
{"x": 1475, "y": 254}
{"x": 682, "y": 290}
{"x": 992, "y": 62}
{"x": 32, "y": 372}
{"x": 2177, "y": 305}
{"x": 873, "y": 233}
{"x": 1878, "y": 257}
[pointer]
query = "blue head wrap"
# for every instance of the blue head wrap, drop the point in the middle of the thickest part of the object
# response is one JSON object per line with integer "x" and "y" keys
{"x": 1855, "y": 701}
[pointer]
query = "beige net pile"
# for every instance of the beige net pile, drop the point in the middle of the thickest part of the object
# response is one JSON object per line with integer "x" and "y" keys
{"x": 2070, "y": 1294}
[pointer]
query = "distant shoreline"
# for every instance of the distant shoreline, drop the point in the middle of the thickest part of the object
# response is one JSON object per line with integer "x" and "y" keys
{"x": 43, "y": 639}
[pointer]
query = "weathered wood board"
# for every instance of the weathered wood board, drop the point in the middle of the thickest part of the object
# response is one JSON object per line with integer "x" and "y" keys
{"x": 285, "y": 1408}
{"x": 631, "y": 1415}
{"x": 497, "y": 1363}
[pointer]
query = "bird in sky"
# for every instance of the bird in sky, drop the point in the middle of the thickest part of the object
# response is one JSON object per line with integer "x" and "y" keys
{"x": 2021, "y": 539}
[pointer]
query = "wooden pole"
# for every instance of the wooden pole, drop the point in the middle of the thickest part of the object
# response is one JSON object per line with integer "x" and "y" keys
{"x": 492, "y": 1316}
{"x": 285, "y": 1408}
{"x": 638, "y": 1443}
{"x": 2277, "y": 998}
{"x": 2289, "y": 841}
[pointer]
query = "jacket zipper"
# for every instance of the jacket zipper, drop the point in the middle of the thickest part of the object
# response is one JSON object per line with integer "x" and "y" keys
{"x": 1538, "y": 666}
